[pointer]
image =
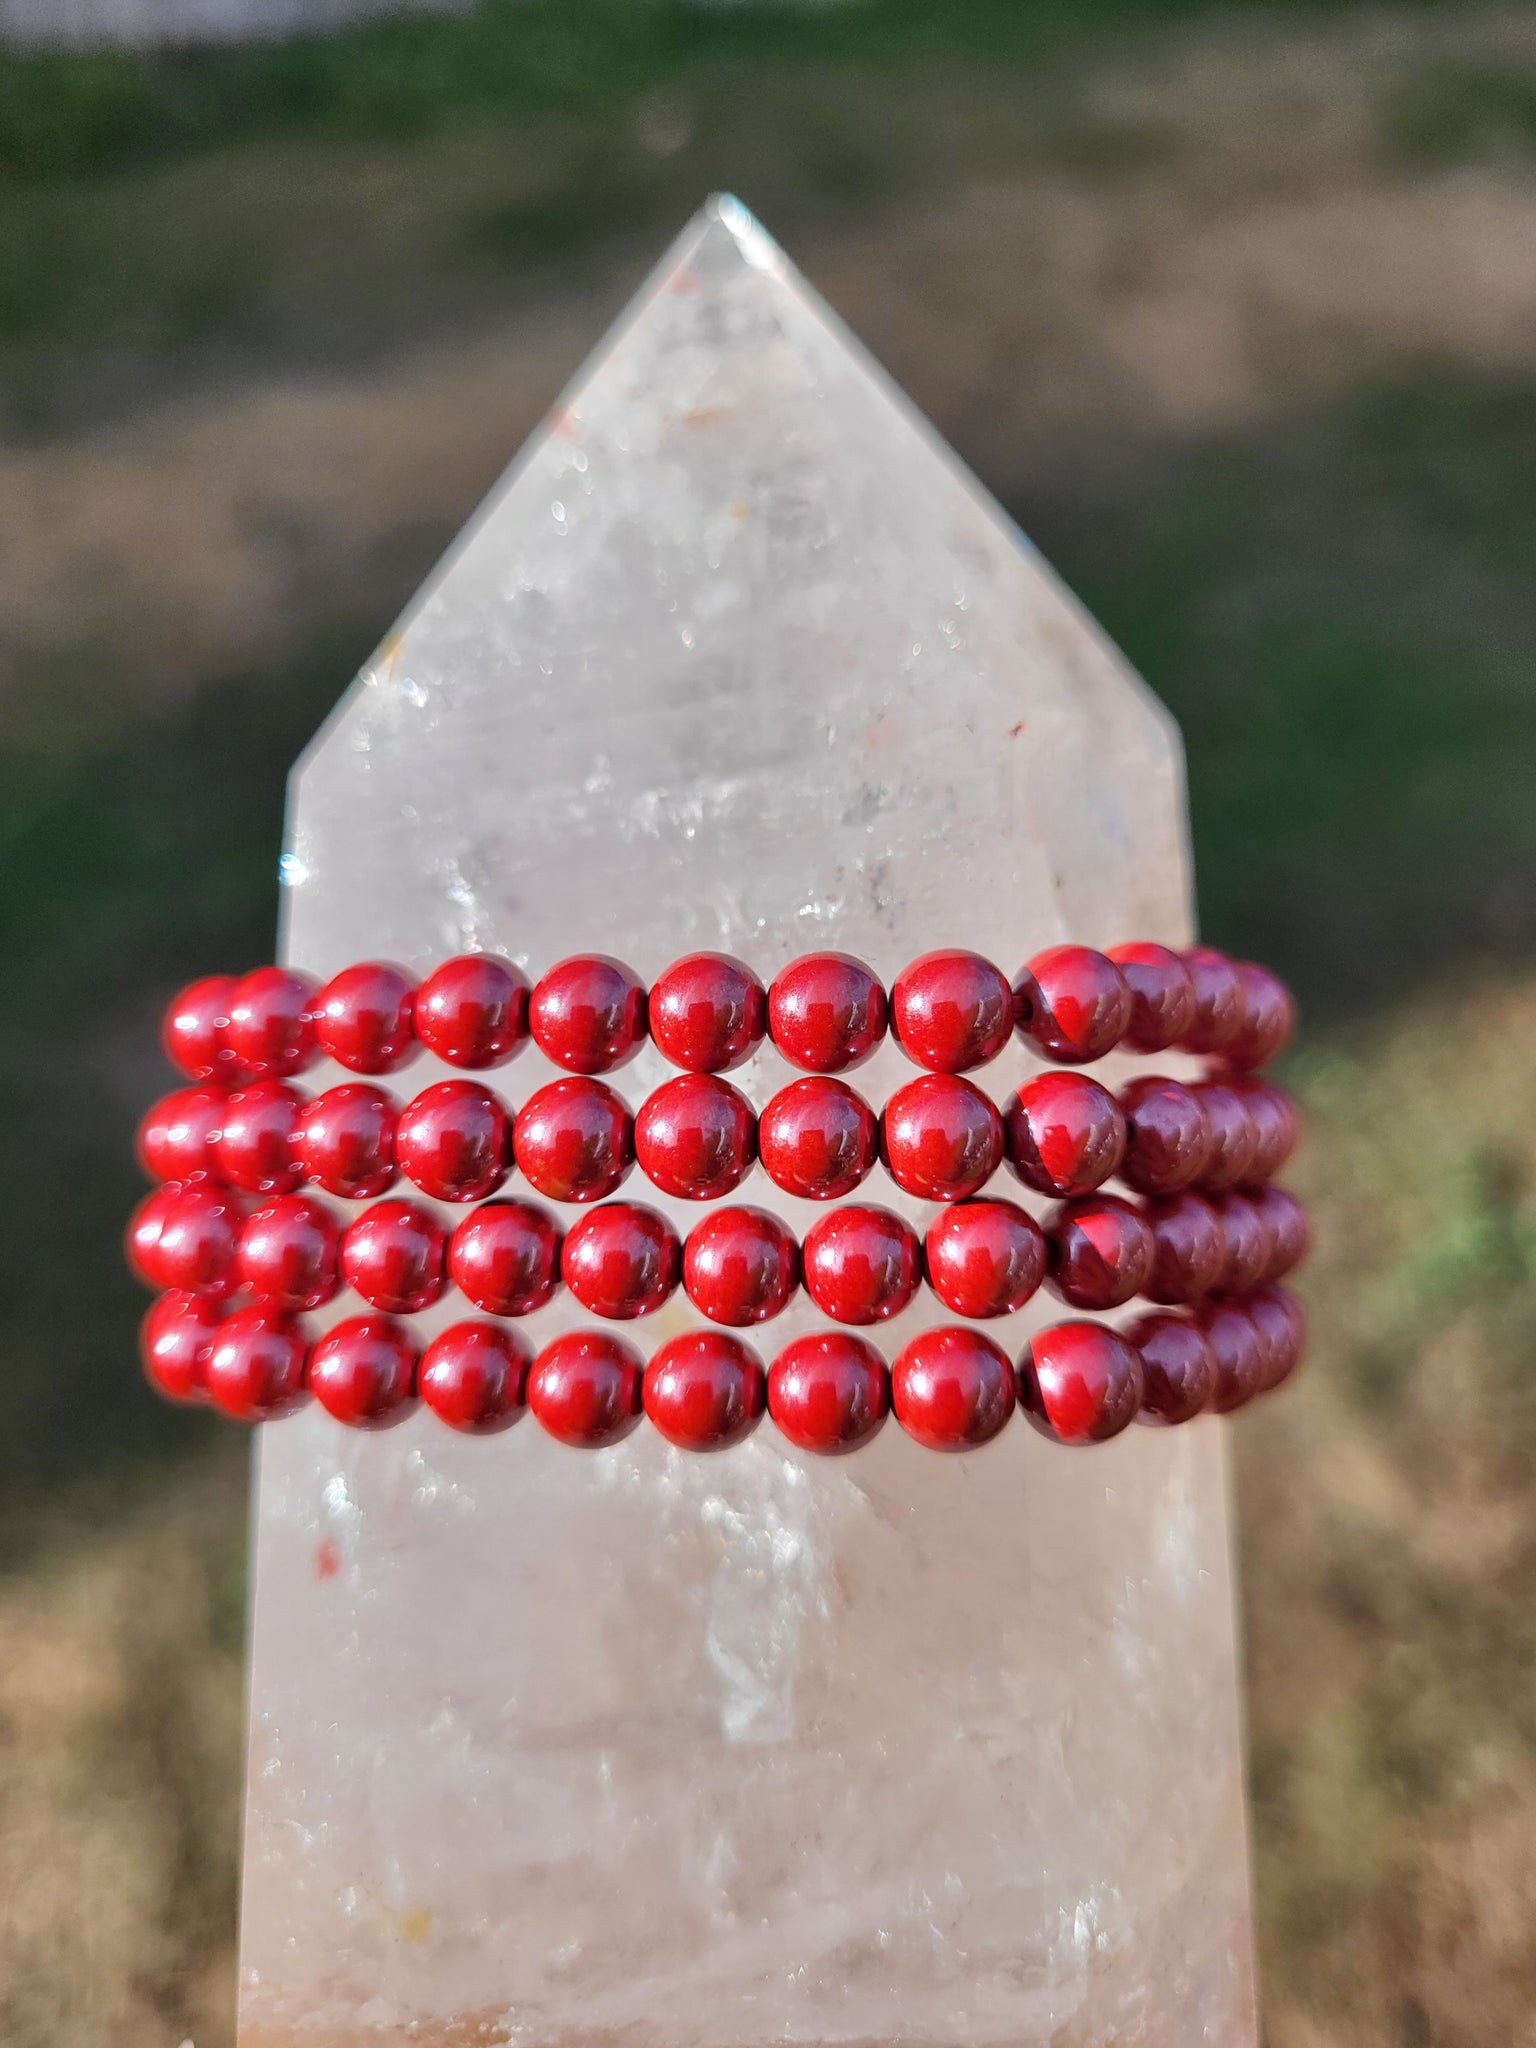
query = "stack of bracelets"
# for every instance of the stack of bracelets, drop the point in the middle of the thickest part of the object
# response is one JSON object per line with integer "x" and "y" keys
{"x": 241, "y": 1246}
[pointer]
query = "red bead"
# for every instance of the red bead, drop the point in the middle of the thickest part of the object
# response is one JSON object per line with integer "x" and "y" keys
{"x": 505, "y": 1258}
{"x": 363, "y": 1018}
{"x": 1249, "y": 1241}
{"x": 392, "y": 1255}
{"x": 1065, "y": 1134}
{"x": 985, "y": 1258}
{"x": 860, "y": 1265}
{"x": 288, "y": 1253}
{"x": 345, "y": 1141}
{"x": 705, "y": 1391}
{"x": 1266, "y": 1016}
{"x": 360, "y": 1371}
{"x": 256, "y": 1149}
{"x": 1080, "y": 1383}
{"x": 1101, "y": 1251}
{"x": 1218, "y": 1000}
{"x": 193, "y": 1248}
{"x": 178, "y": 1137}
{"x": 1162, "y": 995}
{"x": 1177, "y": 1365}
{"x": 194, "y": 1027}
{"x": 585, "y": 1388}
{"x": 574, "y": 1140}
{"x": 941, "y": 1138}
{"x": 175, "y": 1339}
{"x": 952, "y": 1389}
{"x": 1168, "y": 1136}
{"x": 270, "y": 1031}
{"x": 1288, "y": 1223}
{"x": 951, "y": 1011}
{"x": 817, "y": 1139}
{"x": 828, "y": 1392}
{"x": 1072, "y": 1004}
{"x": 142, "y": 1236}
{"x": 454, "y": 1140}
{"x": 1234, "y": 1137}
{"x": 708, "y": 1013}
{"x": 1281, "y": 1322}
{"x": 740, "y": 1266}
{"x": 1242, "y": 1356}
{"x": 474, "y": 1376}
{"x": 620, "y": 1261}
{"x": 1189, "y": 1249}
{"x": 696, "y": 1137}
{"x": 826, "y": 1012}
{"x": 473, "y": 1012}
{"x": 588, "y": 1014}
{"x": 1273, "y": 1118}
{"x": 255, "y": 1368}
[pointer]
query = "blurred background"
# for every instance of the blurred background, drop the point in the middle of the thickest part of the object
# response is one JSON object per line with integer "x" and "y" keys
{"x": 1235, "y": 308}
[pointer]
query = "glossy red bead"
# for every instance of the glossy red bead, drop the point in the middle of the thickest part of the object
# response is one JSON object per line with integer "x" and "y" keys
{"x": 1234, "y": 1137}
{"x": 1072, "y": 1004}
{"x": 288, "y": 1253}
{"x": 984, "y": 1258}
{"x": 1289, "y": 1227}
{"x": 941, "y": 1138}
{"x": 1163, "y": 1002}
{"x": 1249, "y": 1240}
{"x": 1065, "y": 1134}
{"x": 621, "y": 1260}
{"x": 952, "y": 1389}
{"x": 740, "y": 1266}
{"x": 696, "y": 1137}
{"x": 344, "y": 1141}
{"x": 142, "y": 1237}
{"x": 826, "y": 1012}
{"x": 1276, "y": 1124}
{"x": 705, "y": 1391}
{"x": 1101, "y": 1251}
{"x": 255, "y": 1146}
{"x": 393, "y": 1256}
{"x": 270, "y": 1030}
{"x": 951, "y": 1011}
{"x": 505, "y": 1258}
{"x": 192, "y": 1245}
{"x": 1281, "y": 1323}
{"x": 829, "y": 1392}
{"x": 178, "y": 1137}
{"x": 708, "y": 1013}
{"x": 1168, "y": 1136}
{"x": 361, "y": 1371}
{"x": 860, "y": 1265}
{"x": 175, "y": 1338}
{"x": 473, "y": 1011}
{"x": 193, "y": 1031}
{"x": 1178, "y": 1368}
{"x": 474, "y": 1377}
{"x": 1080, "y": 1383}
{"x": 454, "y": 1141}
{"x": 1266, "y": 1017}
{"x": 1218, "y": 1000}
{"x": 817, "y": 1139}
{"x": 585, "y": 1388}
{"x": 1242, "y": 1356}
{"x": 574, "y": 1140}
{"x": 1189, "y": 1249}
{"x": 588, "y": 1013}
{"x": 362, "y": 1018}
{"x": 255, "y": 1366}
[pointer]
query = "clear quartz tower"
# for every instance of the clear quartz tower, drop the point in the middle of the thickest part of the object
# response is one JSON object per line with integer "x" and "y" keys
{"x": 637, "y": 1748}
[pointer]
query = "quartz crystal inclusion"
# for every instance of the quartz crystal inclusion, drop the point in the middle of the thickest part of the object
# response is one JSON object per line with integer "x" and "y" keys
{"x": 717, "y": 1752}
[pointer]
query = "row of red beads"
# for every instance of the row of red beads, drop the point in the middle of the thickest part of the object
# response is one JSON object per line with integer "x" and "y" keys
{"x": 951, "y": 1388}
{"x": 949, "y": 1011}
{"x": 859, "y": 1264}
{"x": 697, "y": 1137}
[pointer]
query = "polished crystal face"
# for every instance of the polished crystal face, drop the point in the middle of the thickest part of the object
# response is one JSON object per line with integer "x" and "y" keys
{"x": 736, "y": 1750}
